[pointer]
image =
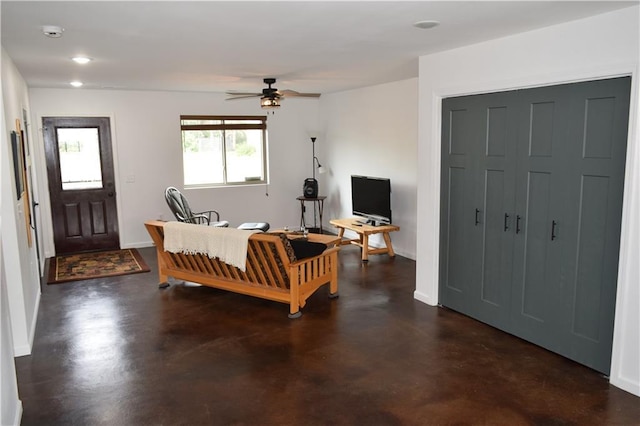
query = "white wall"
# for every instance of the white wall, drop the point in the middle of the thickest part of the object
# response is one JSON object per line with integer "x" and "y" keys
{"x": 19, "y": 285}
{"x": 602, "y": 46}
{"x": 145, "y": 130}
{"x": 10, "y": 405}
{"x": 23, "y": 287}
{"x": 373, "y": 132}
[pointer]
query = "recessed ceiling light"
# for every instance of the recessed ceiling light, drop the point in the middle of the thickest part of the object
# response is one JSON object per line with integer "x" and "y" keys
{"x": 76, "y": 83}
{"x": 81, "y": 60}
{"x": 425, "y": 25}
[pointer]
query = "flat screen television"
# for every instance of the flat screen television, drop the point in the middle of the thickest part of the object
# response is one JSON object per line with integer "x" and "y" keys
{"x": 371, "y": 199}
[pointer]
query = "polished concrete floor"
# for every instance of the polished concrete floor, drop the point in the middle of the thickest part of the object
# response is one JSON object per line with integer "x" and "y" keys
{"x": 120, "y": 351}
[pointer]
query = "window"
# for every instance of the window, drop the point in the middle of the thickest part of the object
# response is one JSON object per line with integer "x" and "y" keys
{"x": 223, "y": 150}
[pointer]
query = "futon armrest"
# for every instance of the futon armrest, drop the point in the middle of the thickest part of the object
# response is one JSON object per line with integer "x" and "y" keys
{"x": 311, "y": 259}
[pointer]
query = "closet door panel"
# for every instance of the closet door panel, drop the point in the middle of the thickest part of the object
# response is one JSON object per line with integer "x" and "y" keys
{"x": 496, "y": 193}
{"x": 459, "y": 141}
{"x": 541, "y": 129}
{"x": 599, "y": 121}
{"x": 537, "y": 281}
{"x": 492, "y": 266}
{"x": 591, "y": 250}
{"x": 498, "y": 135}
{"x": 459, "y": 244}
{"x": 456, "y": 277}
{"x": 596, "y": 167}
{"x": 540, "y": 213}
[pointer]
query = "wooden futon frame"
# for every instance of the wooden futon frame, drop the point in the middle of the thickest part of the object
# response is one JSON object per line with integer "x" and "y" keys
{"x": 270, "y": 272}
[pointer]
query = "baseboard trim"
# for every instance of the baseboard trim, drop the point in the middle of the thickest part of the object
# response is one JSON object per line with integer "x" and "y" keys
{"x": 424, "y": 298}
{"x": 140, "y": 244}
{"x": 34, "y": 322}
{"x": 18, "y": 418}
{"x": 626, "y": 385}
{"x": 24, "y": 350}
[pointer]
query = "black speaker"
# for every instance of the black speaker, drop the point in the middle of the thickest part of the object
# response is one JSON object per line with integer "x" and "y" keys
{"x": 310, "y": 188}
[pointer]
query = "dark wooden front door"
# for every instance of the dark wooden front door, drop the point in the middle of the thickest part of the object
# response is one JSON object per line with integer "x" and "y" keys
{"x": 81, "y": 183}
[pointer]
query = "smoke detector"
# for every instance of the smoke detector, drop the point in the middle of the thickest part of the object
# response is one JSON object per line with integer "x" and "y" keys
{"x": 52, "y": 31}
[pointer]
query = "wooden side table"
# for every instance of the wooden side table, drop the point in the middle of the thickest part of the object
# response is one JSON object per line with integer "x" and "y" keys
{"x": 363, "y": 232}
{"x": 318, "y": 207}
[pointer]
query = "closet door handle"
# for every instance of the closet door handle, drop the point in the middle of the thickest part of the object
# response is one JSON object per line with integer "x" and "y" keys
{"x": 477, "y": 220}
{"x": 553, "y": 229}
{"x": 518, "y": 223}
{"x": 506, "y": 222}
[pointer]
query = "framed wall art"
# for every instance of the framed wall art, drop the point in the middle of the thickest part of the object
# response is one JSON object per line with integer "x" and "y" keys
{"x": 18, "y": 163}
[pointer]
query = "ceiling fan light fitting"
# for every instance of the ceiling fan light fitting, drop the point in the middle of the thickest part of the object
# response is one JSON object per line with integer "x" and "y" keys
{"x": 268, "y": 103}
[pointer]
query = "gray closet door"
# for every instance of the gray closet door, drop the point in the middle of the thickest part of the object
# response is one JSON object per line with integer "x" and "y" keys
{"x": 541, "y": 188}
{"x": 532, "y": 185}
{"x": 495, "y": 197}
{"x": 477, "y": 220}
{"x": 460, "y": 212}
{"x": 595, "y": 173}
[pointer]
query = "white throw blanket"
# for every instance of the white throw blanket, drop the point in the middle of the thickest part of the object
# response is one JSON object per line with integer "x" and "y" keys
{"x": 227, "y": 244}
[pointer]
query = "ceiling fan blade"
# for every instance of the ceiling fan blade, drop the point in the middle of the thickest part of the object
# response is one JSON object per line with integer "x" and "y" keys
{"x": 243, "y": 94}
{"x": 293, "y": 93}
{"x": 243, "y": 97}
{"x": 271, "y": 93}
{"x": 308, "y": 95}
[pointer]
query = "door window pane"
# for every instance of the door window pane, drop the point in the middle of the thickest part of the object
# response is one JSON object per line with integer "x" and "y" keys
{"x": 79, "y": 151}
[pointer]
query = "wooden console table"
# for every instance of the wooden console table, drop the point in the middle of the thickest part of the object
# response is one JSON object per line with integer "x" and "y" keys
{"x": 363, "y": 232}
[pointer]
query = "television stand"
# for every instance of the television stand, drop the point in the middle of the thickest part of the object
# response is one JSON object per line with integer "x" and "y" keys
{"x": 364, "y": 230}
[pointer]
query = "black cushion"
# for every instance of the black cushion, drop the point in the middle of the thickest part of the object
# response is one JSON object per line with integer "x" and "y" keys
{"x": 303, "y": 248}
{"x": 286, "y": 242}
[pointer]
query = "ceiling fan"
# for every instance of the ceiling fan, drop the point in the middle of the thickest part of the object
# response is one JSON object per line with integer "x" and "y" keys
{"x": 270, "y": 96}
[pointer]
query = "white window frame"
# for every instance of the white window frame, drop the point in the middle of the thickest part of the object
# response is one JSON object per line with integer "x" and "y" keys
{"x": 262, "y": 125}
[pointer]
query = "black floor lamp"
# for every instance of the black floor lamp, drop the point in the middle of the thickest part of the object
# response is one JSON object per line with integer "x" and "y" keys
{"x": 310, "y": 187}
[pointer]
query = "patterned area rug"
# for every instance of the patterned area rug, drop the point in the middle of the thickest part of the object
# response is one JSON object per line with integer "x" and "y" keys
{"x": 84, "y": 266}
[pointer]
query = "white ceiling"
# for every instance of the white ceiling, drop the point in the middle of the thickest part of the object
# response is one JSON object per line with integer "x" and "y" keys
{"x": 212, "y": 46}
